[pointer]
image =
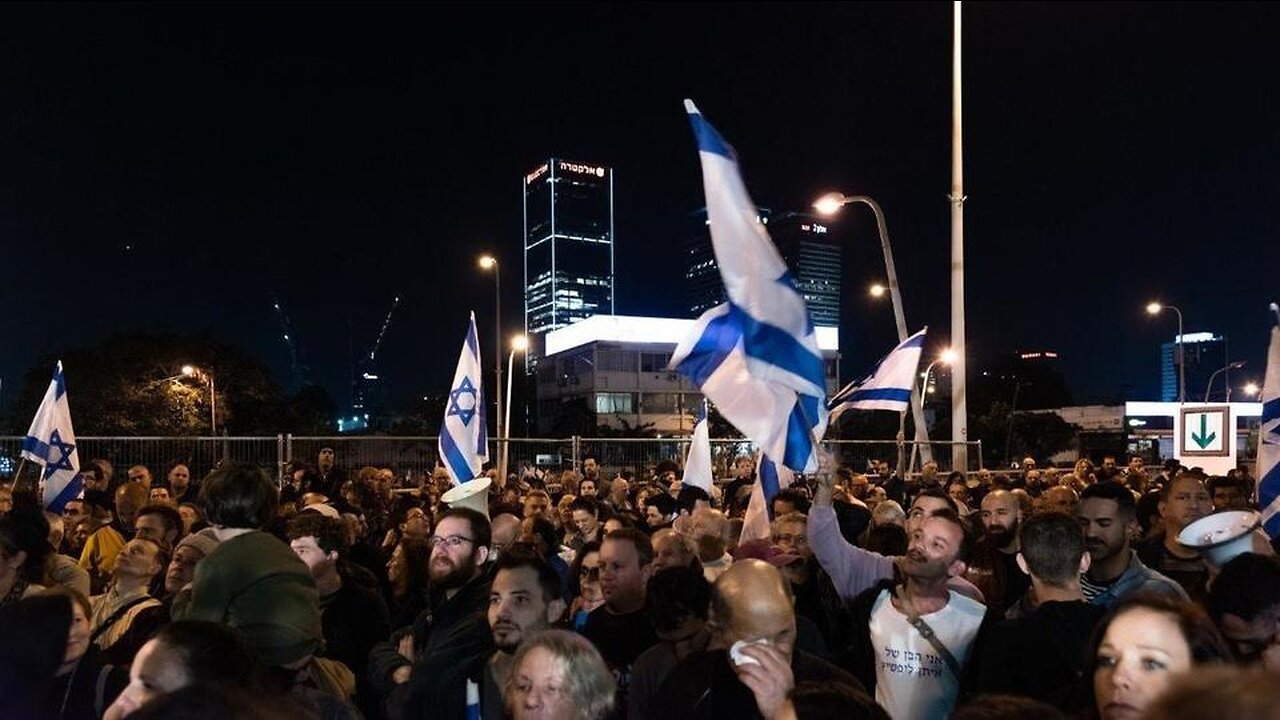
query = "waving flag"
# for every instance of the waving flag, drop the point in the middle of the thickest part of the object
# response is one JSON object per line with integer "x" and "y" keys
{"x": 755, "y": 356}
{"x": 888, "y": 387}
{"x": 1269, "y": 436}
{"x": 697, "y": 464}
{"x": 464, "y": 439}
{"x": 771, "y": 478}
{"x": 51, "y": 444}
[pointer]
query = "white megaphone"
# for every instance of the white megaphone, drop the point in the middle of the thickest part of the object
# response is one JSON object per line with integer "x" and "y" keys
{"x": 472, "y": 494}
{"x": 1223, "y": 535}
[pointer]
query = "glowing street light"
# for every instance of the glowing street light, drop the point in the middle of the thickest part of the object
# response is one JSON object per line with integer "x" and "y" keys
{"x": 519, "y": 343}
{"x": 877, "y": 290}
{"x": 829, "y": 205}
{"x": 489, "y": 262}
{"x": 1252, "y": 389}
{"x": 1154, "y": 308}
{"x": 192, "y": 371}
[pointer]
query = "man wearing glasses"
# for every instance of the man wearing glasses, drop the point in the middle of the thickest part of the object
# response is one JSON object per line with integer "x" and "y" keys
{"x": 456, "y": 607}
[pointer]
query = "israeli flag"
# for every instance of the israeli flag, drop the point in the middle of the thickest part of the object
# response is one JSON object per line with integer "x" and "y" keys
{"x": 888, "y": 387}
{"x": 1269, "y": 436}
{"x": 51, "y": 444}
{"x": 771, "y": 478}
{"x": 697, "y": 464}
{"x": 756, "y": 356}
{"x": 464, "y": 439}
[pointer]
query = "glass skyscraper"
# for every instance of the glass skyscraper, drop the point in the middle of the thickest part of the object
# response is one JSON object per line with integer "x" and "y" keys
{"x": 568, "y": 247}
{"x": 805, "y": 245}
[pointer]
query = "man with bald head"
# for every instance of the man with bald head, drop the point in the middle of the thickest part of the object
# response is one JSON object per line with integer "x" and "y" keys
{"x": 752, "y": 664}
{"x": 709, "y": 532}
{"x": 1060, "y": 498}
{"x": 505, "y": 530}
{"x": 994, "y": 568}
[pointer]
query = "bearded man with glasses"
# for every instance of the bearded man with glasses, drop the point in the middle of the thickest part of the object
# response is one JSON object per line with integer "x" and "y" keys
{"x": 456, "y": 606}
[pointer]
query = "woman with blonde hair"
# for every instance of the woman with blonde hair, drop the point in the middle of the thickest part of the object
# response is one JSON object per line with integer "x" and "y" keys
{"x": 559, "y": 675}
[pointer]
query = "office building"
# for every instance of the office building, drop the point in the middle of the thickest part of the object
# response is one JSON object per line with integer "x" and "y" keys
{"x": 806, "y": 246}
{"x": 1206, "y": 353}
{"x": 611, "y": 371}
{"x": 568, "y": 247}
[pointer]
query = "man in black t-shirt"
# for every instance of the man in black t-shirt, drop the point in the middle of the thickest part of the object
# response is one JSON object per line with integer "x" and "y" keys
{"x": 619, "y": 629}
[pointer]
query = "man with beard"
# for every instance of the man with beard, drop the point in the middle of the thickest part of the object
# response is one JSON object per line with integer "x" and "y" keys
{"x": 454, "y": 618}
{"x": 1108, "y": 515}
{"x": 913, "y": 665}
{"x": 994, "y": 568}
{"x": 1182, "y": 501}
{"x": 524, "y": 600}
{"x": 854, "y": 569}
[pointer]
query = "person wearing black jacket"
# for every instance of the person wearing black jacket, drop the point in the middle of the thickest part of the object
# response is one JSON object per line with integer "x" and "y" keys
{"x": 455, "y": 618}
{"x": 1042, "y": 655}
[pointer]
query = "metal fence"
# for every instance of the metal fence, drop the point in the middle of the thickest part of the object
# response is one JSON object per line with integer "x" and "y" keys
{"x": 410, "y": 456}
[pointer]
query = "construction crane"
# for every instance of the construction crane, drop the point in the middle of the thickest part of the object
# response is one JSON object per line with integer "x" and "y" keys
{"x": 296, "y": 370}
{"x": 366, "y": 382}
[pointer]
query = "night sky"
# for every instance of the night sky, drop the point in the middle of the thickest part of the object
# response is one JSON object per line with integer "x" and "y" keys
{"x": 170, "y": 166}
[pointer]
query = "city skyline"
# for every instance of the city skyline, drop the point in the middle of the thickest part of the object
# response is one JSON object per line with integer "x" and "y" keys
{"x": 175, "y": 167}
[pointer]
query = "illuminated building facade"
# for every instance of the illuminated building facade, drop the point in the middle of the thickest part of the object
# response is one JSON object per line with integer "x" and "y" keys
{"x": 568, "y": 247}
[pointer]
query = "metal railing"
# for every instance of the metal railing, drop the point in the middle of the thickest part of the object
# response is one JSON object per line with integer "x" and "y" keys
{"x": 411, "y": 456}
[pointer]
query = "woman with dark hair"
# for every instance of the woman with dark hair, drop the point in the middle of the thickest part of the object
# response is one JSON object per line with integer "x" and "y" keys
{"x": 1144, "y": 642}
{"x": 253, "y": 581}
{"x": 584, "y": 584}
{"x": 188, "y": 653}
{"x": 407, "y": 575}
{"x": 24, "y": 549}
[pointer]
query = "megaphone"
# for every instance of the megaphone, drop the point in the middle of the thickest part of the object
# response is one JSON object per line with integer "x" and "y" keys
{"x": 473, "y": 494}
{"x": 1223, "y": 535}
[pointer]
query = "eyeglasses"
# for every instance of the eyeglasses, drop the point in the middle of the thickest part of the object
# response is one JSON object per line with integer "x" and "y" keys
{"x": 449, "y": 541}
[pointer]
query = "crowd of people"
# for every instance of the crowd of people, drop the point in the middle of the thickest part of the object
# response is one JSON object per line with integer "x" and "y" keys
{"x": 590, "y": 594}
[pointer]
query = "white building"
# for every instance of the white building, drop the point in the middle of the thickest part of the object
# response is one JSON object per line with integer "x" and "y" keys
{"x": 611, "y": 371}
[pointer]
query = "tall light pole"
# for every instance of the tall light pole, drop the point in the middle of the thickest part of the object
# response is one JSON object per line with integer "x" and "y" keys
{"x": 959, "y": 402}
{"x": 192, "y": 371}
{"x": 489, "y": 262}
{"x": 1154, "y": 308}
{"x": 946, "y": 357}
{"x": 1229, "y": 366}
{"x": 830, "y": 204}
{"x": 519, "y": 343}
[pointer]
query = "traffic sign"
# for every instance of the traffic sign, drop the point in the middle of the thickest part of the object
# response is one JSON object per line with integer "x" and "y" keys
{"x": 1206, "y": 431}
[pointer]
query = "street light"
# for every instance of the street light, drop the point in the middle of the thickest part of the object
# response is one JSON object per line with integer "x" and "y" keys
{"x": 1251, "y": 389}
{"x": 519, "y": 343}
{"x": 1154, "y": 308}
{"x": 489, "y": 262}
{"x": 830, "y": 204}
{"x": 1229, "y": 366}
{"x": 877, "y": 290}
{"x": 946, "y": 357}
{"x": 192, "y": 371}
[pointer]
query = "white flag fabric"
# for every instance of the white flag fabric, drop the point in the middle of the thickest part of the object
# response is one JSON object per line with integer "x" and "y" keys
{"x": 464, "y": 439}
{"x": 756, "y": 356}
{"x": 1269, "y": 437}
{"x": 697, "y": 464}
{"x": 888, "y": 387}
{"x": 771, "y": 478}
{"x": 51, "y": 444}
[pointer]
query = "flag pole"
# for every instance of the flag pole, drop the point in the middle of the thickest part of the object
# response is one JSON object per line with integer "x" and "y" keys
{"x": 959, "y": 409}
{"x": 17, "y": 474}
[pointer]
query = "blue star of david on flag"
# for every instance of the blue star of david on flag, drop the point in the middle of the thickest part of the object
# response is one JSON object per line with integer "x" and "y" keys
{"x": 51, "y": 444}
{"x": 465, "y": 409}
{"x": 464, "y": 445}
{"x": 64, "y": 451}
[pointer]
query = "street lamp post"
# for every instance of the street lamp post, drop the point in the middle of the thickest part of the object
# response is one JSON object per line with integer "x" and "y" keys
{"x": 831, "y": 203}
{"x": 1229, "y": 366}
{"x": 519, "y": 343}
{"x": 197, "y": 373}
{"x": 946, "y": 357}
{"x": 489, "y": 262}
{"x": 1154, "y": 308}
